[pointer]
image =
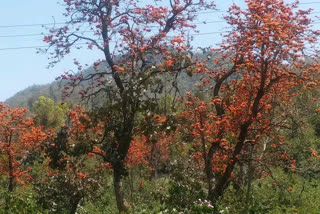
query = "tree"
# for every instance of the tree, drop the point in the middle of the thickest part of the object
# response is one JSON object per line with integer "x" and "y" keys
{"x": 133, "y": 38}
{"x": 251, "y": 99}
{"x": 47, "y": 114}
{"x": 19, "y": 139}
{"x": 152, "y": 146}
{"x": 70, "y": 179}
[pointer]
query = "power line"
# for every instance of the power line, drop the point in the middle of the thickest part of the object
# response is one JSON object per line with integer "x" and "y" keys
{"x": 315, "y": 2}
{"x": 45, "y": 46}
{"x": 63, "y": 23}
{"x": 22, "y": 35}
{"x": 28, "y": 47}
{"x": 34, "y": 34}
{"x": 31, "y": 25}
{"x": 41, "y": 34}
{"x": 32, "y": 47}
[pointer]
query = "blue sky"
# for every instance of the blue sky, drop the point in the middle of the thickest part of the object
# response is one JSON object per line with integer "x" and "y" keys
{"x": 21, "y": 68}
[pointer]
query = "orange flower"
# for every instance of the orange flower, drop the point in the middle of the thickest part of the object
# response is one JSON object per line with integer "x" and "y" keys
{"x": 91, "y": 154}
{"x": 81, "y": 175}
{"x": 121, "y": 69}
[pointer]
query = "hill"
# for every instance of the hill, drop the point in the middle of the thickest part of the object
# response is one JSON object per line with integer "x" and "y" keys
{"x": 53, "y": 90}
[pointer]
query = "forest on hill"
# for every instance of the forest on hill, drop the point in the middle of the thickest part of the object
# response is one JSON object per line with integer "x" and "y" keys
{"x": 54, "y": 90}
{"x": 157, "y": 127}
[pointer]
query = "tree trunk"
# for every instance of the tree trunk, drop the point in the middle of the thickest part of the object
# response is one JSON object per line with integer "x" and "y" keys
{"x": 117, "y": 182}
{"x": 11, "y": 178}
{"x": 74, "y": 206}
{"x": 154, "y": 156}
{"x": 223, "y": 180}
{"x": 11, "y": 183}
{"x": 250, "y": 177}
{"x": 73, "y": 209}
{"x": 209, "y": 175}
{"x": 120, "y": 152}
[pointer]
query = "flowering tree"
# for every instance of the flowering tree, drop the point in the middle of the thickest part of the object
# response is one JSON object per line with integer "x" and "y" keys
{"x": 68, "y": 175}
{"x": 133, "y": 39}
{"x": 152, "y": 146}
{"x": 251, "y": 99}
{"x": 19, "y": 139}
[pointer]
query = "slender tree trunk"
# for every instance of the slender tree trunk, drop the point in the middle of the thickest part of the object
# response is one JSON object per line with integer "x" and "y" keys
{"x": 250, "y": 175}
{"x": 11, "y": 177}
{"x": 223, "y": 180}
{"x": 131, "y": 185}
{"x": 154, "y": 154}
{"x": 117, "y": 182}
{"x": 11, "y": 183}
{"x": 120, "y": 155}
{"x": 209, "y": 175}
{"x": 74, "y": 205}
{"x": 207, "y": 158}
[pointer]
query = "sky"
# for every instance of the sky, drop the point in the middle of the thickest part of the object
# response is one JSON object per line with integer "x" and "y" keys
{"x": 20, "y": 68}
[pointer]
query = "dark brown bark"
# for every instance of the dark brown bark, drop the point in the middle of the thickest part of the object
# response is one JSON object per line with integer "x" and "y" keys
{"x": 74, "y": 205}
{"x": 219, "y": 83}
{"x": 222, "y": 181}
{"x": 117, "y": 183}
{"x": 120, "y": 155}
{"x": 250, "y": 178}
{"x": 10, "y": 166}
{"x": 207, "y": 158}
{"x": 11, "y": 184}
{"x": 11, "y": 176}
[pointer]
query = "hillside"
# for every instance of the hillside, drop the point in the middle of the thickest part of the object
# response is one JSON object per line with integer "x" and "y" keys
{"x": 53, "y": 90}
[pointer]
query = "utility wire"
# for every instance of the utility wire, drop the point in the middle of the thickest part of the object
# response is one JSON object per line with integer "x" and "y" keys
{"x": 45, "y": 46}
{"x": 63, "y": 23}
{"x": 42, "y": 34}
{"x": 31, "y": 25}
{"x": 22, "y": 35}
{"x": 42, "y": 46}
{"x": 32, "y": 47}
{"x": 28, "y": 47}
{"x": 315, "y": 2}
{"x": 35, "y": 34}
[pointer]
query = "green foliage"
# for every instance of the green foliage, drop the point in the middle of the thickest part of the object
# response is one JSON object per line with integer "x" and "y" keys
{"x": 281, "y": 192}
{"x": 202, "y": 207}
{"x": 22, "y": 201}
{"x": 49, "y": 115}
{"x": 186, "y": 186}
